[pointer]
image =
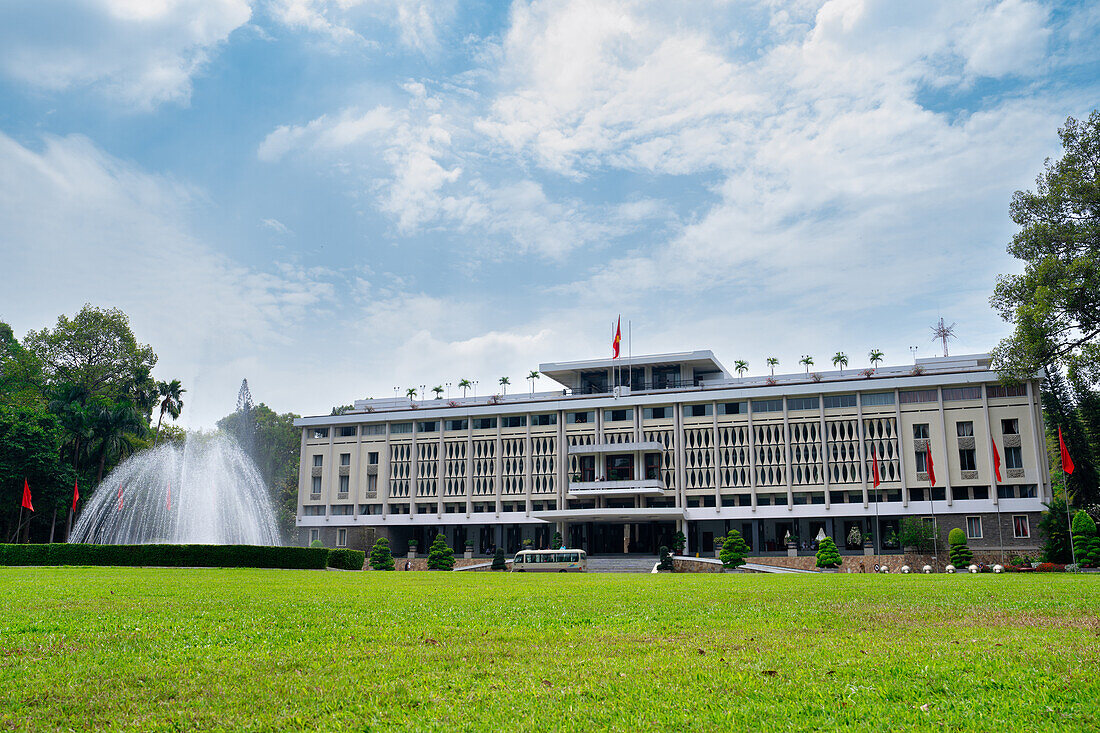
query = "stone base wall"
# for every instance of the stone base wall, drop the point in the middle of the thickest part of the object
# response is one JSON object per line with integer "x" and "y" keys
{"x": 421, "y": 563}
{"x": 689, "y": 565}
{"x": 866, "y": 563}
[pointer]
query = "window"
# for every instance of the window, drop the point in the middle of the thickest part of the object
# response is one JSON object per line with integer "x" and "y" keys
{"x": 316, "y": 486}
{"x": 399, "y": 508}
{"x": 314, "y": 536}
{"x": 372, "y": 458}
{"x": 485, "y": 423}
{"x": 340, "y": 510}
{"x": 374, "y": 430}
{"x": 767, "y": 405}
{"x": 318, "y": 433}
{"x": 513, "y": 421}
{"x": 656, "y": 413}
{"x": 1013, "y": 458}
{"x": 314, "y": 510}
{"x": 370, "y": 509}
{"x": 348, "y": 431}
{"x": 801, "y": 403}
{"x": 618, "y": 415}
{"x": 344, "y": 484}
{"x": 698, "y": 410}
{"x": 734, "y": 408}
{"x": 1021, "y": 529}
{"x": 920, "y": 431}
{"x": 918, "y": 395}
{"x": 580, "y": 417}
{"x": 1009, "y": 390}
{"x": 547, "y": 419}
{"x": 973, "y": 528}
{"x": 962, "y": 393}
{"x": 620, "y": 468}
{"x": 921, "y": 461}
{"x": 341, "y": 538}
{"x": 979, "y": 492}
{"x": 456, "y": 424}
{"x": 875, "y": 399}
{"x": 318, "y": 461}
{"x": 401, "y": 427}
{"x": 964, "y": 429}
{"x": 1010, "y": 427}
{"x": 345, "y": 459}
{"x": 372, "y": 482}
{"x": 429, "y": 426}
{"x": 835, "y": 401}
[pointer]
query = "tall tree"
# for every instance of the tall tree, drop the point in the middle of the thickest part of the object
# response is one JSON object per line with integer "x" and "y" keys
{"x": 1054, "y": 304}
{"x": 1060, "y": 410}
{"x": 21, "y": 378}
{"x": 30, "y": 444}
{"x": 171, "y": 402}
{"x": 113, "y": 431}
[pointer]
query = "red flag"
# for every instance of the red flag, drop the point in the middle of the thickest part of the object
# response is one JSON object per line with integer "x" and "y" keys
{"x": 930, "y": 466}
{"x": 27, "y": 496}
{"x": 1067, "y": 462}
{"x": 874, "y": 467}
{"x": 996, "y": 460}
{"x": 120, "y": 497}
{"x": 76, "y": 493}
{"x": 618, "y": 337}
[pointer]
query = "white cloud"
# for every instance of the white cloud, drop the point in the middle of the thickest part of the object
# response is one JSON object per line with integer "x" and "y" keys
{"x": 140, "y": 52}
{"x": 1011, "y": 38}
{"x": 416, "y": 21}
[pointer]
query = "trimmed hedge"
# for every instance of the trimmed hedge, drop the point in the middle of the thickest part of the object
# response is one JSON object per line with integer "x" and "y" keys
{"x": 189, "y": 556}
{"x": 346, "y": 559}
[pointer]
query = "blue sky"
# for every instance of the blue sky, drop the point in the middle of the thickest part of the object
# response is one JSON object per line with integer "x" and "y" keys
{"x": 336, "y": 197}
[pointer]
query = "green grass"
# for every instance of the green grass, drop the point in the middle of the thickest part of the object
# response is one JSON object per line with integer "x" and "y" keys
{"x": 147, "y": 649}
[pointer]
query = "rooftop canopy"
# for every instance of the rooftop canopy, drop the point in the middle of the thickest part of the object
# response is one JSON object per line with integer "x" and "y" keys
{"x": 568, "y": 372}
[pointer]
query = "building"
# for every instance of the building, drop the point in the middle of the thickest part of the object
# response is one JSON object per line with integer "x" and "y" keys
{"x": 628, "y": 452}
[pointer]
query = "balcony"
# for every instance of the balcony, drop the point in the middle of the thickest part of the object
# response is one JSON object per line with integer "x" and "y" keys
{"x": 628, "y": 487}
{"x": 645, "y": 446}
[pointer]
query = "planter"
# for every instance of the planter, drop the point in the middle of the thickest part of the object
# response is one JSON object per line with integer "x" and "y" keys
{"x": 469, "y": 553}
{"x": 718, "y": 554}
{"x": 868, "y": 548}
{"x": 733, "y": 570}
{"x": 829, "y": 570}
{"x": 792, "y": 550}
{"x": 412, "y": 552}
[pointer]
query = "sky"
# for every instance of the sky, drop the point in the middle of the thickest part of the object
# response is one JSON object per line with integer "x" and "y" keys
{"x": 337, "y": 198}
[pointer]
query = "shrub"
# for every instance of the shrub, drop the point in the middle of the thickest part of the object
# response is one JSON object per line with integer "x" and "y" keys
{"x": 666, "y": 560}
{"x": 195, "y": 556}
{"x": 734, "y": 550}
{"x": 440, "y": 555}
{"x": 1086, "y": 545}
{"x": 345, "y": 559}
{"x": 316, "y": 543}
{"x": 1055, "y": 533}
{"x": 498, "y": 560}
{"x": 679, "y": 542}
{"x": 915, "y": 532}
{"x": 557, "y": 541}
{"x": 1050, "y": 567}
{"x": 380, "y": 556}
{"x": 960, "y": 552}
{"x": 827, "y": 554}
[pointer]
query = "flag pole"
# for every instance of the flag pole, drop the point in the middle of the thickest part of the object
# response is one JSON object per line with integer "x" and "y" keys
{"x": 932, "y": 508}
{"x": 1069, "y": 521}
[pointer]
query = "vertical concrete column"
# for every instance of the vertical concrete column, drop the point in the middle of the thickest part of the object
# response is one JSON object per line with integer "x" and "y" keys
{"x": 678, "y": 453}
{"x": 1042, "y": 459}
{"x": 354, "y": 488}
{"x": 498, "y": 468}
{"x": 440, "y": 472}
{"x": 561, "y": 484}
{"x": 752, "y": 453}
{"x": 862, "y": 435}
{"x": 821, "y": 447}
{"x": 714, "y": 457}
{"x": 384, "y": 471}
{"x": 305, "y": 474}
{"x": 527, "y": 472}
{"x": 946, "y": 454}
{"x": 787, "y": 455}
{"x": 330, "y": 470}
{"x": 412, "y": 471}
{"x": 901, "y": 451}
{"x": 989, "y": 447}
{"x": 469, "y": 478}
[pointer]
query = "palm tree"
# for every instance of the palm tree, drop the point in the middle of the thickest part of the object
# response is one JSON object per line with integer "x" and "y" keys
{"x": 114, "y": 428}
{"x": 532, "y": 377}
{"x": 170, "y": 394}
{"x": 76, "y": 419}
{"x": 464, "y": 384}
{"x": 807, "y": 361}
{"x": 740, "y": 366}
{"x": 504, "y": 384}
{"x": 773, "y": 363}
{"x": 876, "y": 357}
{"x": 840, "y": 359}
{"x": 438, "y": 389}
{"x": 411, "y": 393}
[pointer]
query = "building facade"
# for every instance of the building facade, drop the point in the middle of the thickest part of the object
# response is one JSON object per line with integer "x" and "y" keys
{"x": 628, "y": 452}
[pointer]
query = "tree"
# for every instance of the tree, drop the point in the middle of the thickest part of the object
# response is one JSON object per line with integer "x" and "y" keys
{"x": 95, "y": 351}
{"x": 340, "y": 409}
{"x": 1054, "y": 305}
{"x": 665, "y": 564}
{"x": 740, "y": 366}
{"x": 1086, "y": 545}
{"x": 411, "y": 393}
{"x": 380, "y": 556}
{"x": 556, "y": 541}
{"x": 807, "y": 361}
{"x": 532, "y": 376}
{"x": 679, "y": 542}
{"x": 1063, "y": 408}
{"x": 773, "y": 363}
{"x": 464, "y": 384}
{"x": 827, "y": 554}
{"x": 875, "y": 356}
{"x": 31, "y": 440}
{"x": 504, "y": 382}
{"x": 1054, "y": 529}
{"x": 438, "y": 389}
{"x": 498, "y": 560}
{"x": 961, "y": 555}
{"x": 840, "y": 359}
{"x": 734, "y": 550}
{"x": 917, "y": 533}
{"x": 115, "y": 429}
{"x": 171, "y": 402}
{"x": 440, "y": 556}
{"x": 21, "y": 378}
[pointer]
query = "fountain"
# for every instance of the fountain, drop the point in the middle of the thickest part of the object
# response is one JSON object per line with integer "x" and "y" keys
{"x": 206, "y": 491}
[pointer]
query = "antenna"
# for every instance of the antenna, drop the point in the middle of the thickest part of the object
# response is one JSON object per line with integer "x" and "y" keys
{"x": 943, "y": 332}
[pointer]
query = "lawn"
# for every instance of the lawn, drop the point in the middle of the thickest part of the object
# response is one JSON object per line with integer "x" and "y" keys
{"x": 148, "y": 649}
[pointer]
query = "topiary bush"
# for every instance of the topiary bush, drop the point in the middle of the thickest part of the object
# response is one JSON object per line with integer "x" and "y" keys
{"x": 827, "y": 554}
{"x": 498, "y": 560}
{"x": 665, "y": 564}
{"x": 316, "y": 543}
{"x": 380, "y": 556}
{"x": 440, "y": 555}
{"x": 960, "y": 553}
{"x": 1086, "y": 545}
{"x": 734, "y": 550}
{"x": 344, "y": 559}
{"x": 679, "y": 542}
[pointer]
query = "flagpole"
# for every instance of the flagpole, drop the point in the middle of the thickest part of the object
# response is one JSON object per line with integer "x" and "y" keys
{"x": 1062, "y": 453}
{"x": 932, "y": 508}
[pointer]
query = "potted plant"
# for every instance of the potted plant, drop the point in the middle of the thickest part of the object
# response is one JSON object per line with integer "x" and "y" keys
{"x": 791, "y": 541}
{"x": 528, "y": 544}
{"x": 868, "y": 544}
{"x": 469, "y": 551}
{"x": 412, "y": 549}
{"x": 679, "y": 542}
{"x": 718, "y": 542}
{"x": 855, "y": 538}
{"x": 576, "y": 478}
{"x": 890, "y": 542}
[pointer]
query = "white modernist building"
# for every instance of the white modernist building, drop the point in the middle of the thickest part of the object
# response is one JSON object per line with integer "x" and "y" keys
{"x": 628, "y": 452}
